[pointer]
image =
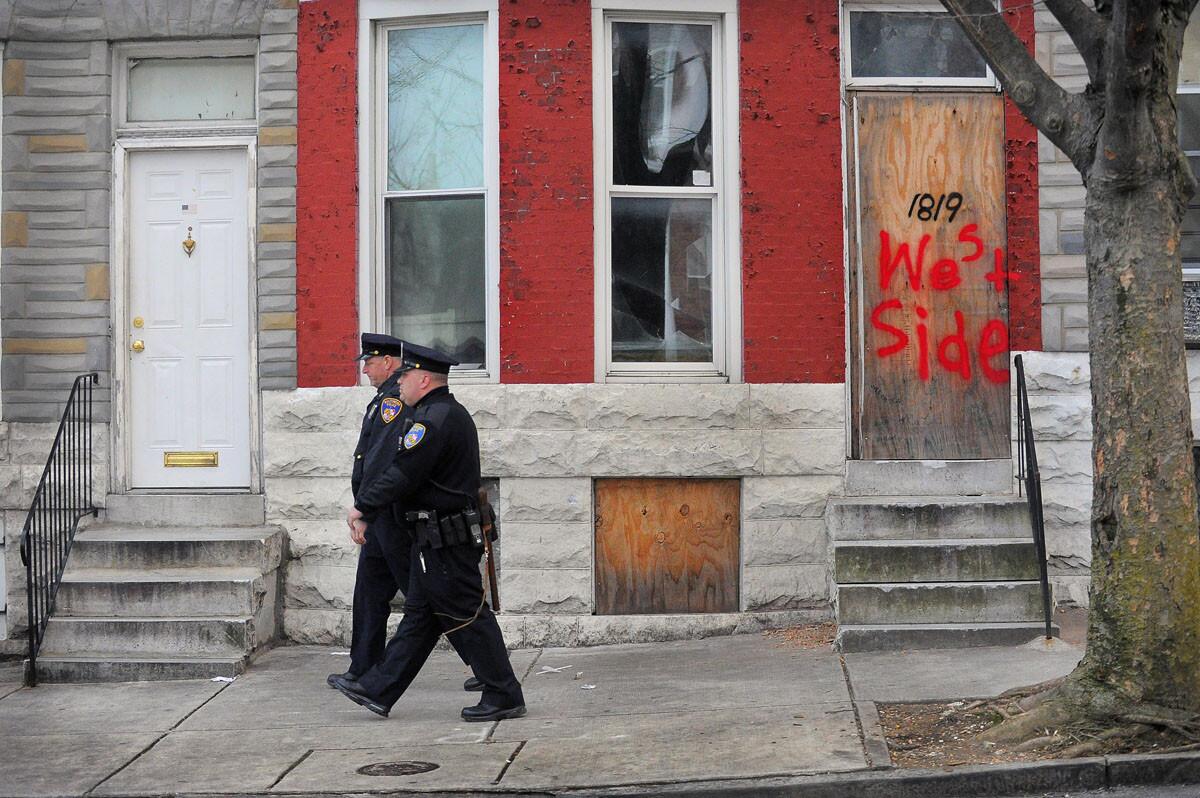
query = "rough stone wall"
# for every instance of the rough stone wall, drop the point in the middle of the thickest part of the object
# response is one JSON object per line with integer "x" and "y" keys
{"x": 23, "y": 450}
{"x": 277, "y": 126}
{"x": 545, "y": 444}
{"x": 1061, "y": 411}
{"x": 1064, "y": 275}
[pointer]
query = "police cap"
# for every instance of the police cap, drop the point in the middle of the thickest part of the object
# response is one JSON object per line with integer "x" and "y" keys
{"x": 422, "y": 357}
{"x": 378, "y": 344}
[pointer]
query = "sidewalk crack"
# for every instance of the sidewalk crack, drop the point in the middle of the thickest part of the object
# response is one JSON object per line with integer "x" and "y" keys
{"x": 132, "y": 759}
{"x": 290, "y": 768}
{"x": 511, "y": 758}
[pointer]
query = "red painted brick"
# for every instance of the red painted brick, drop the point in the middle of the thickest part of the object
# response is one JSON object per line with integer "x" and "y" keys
{"x": 327, "y": 193}
{"x": 546, "y": 214}
{"x": 793, "y": 297}
{"x": 1021, "y": 189}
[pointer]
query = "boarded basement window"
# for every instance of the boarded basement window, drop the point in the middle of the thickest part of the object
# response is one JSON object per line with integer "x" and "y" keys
{"x": 667, "y": 545}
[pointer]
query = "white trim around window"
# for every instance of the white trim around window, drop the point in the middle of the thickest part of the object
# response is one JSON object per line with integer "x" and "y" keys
{"x": 724, "y": 192}
{"x": 375, "y": 19}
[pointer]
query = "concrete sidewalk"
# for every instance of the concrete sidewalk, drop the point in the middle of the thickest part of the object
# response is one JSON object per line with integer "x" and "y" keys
{"x": 729, "y": 708}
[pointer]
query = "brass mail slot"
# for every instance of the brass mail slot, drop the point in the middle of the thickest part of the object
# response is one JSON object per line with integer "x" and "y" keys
{"x": 190, "y": 459}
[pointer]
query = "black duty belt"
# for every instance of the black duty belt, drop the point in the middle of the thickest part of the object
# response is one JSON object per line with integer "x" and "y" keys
{"x": 439, "y": 531}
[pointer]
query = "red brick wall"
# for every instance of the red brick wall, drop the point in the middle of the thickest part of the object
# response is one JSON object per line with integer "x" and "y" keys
{"x": 1021, "y": 187}
{"x": 793, "y": 297}
{"x": 327, "y": 194}
{"x": 791, "y": 201}
{"x": 546, "y": 214}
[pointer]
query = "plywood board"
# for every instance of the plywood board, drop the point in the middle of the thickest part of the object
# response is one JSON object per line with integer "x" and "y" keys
{"x": 667, "y": 545}
{"x": 931, "y": 271}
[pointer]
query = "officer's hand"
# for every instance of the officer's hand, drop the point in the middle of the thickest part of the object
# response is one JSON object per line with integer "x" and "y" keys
{"x": 352, "y": 515}
{"x": 358, "y": 531}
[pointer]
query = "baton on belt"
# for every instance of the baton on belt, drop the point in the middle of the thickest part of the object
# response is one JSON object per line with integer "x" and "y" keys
{"x": 487, "y": 518}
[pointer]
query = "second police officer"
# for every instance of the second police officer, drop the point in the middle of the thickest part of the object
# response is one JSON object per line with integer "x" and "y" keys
{"x": 383, "y": 562}
{"x": 435, "y": 477}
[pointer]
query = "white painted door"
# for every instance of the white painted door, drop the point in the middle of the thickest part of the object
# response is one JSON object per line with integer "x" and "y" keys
{"x": 189, "y": 385}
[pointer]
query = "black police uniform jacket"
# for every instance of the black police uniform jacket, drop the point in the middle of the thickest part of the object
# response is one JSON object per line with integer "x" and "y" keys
{"x": 384, "y": 421}
{"x": 436, "y": 463}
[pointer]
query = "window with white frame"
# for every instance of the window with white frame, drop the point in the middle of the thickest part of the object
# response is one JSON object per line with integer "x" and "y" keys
{"x": 664, "y": 212}
{"x": 436, "y": 183}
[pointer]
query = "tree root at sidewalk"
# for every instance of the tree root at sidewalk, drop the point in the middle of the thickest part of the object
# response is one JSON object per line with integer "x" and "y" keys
{"x": 1054, "y": 720}
{"x": 1070, "y": 718}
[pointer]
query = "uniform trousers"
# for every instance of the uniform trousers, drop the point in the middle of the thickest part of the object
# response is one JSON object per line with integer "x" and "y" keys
{"x": 384, "y": 568}
{"x": 375, "y": 585}
{"x": 445, "y": 597}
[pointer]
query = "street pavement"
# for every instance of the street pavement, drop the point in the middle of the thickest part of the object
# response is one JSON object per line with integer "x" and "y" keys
{"x": 734, "y": 708}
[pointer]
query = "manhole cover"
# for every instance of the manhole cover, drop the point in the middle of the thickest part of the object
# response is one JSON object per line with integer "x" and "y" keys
{"x": 397, "y": 768}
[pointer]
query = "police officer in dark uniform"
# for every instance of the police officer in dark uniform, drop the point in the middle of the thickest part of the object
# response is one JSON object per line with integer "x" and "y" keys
{"x": 435, "y": 476}
{"x": 380, "y": 572}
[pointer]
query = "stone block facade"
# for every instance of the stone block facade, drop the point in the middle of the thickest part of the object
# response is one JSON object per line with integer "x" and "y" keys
{"x": 1061, "y": 201}
{"x": 55, "y": 228}
{"x": 1060, "y": 409}
{"x": 545, "y": 444}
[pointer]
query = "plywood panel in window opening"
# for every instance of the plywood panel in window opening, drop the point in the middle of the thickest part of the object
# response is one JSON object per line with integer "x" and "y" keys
{"x": 932, "y": 277}
{"x": 667, "y": 545}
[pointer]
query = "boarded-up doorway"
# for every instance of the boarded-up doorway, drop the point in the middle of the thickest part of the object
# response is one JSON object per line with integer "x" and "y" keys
{"x": 930, "y": 288}
{"x": 667, "y": 545}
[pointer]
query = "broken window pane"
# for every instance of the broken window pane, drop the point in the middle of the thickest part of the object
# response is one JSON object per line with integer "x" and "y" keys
{"x": 435, "y": 108}
{"x": 662, "y": 104}
{"x": 662, "y": 280}
{"x": 435, "y": 258}
{"x": 906, "y": 44}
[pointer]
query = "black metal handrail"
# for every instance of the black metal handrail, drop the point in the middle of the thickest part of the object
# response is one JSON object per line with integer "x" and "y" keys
{"x": 1027, "y": 472}
{"x": 63, "y": 497}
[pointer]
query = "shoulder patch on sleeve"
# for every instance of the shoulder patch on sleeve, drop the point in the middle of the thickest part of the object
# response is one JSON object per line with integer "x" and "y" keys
{"x": 389, "y": 409}
{"x": 415, "y": 435}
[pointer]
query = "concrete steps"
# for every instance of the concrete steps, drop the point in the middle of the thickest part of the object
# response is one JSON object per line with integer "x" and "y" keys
{"x": 939, "y": 602}
{"x": 178, "y": 587}
{"x": 159, "y": 593}
{"x": 934, "y": 571}
{"x": 902, "y": 637}
{"x": 966, "y": 560}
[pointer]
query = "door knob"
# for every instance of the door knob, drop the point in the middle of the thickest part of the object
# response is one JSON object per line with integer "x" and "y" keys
{"x": 138, "y": 346}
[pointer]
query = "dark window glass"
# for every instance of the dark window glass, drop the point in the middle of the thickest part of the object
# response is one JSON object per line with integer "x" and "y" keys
{"x": 662, "y": 104}
{"x": 662, "y": 280}
{"x": 435, "y": 261}
{"x": 907, "y": 44}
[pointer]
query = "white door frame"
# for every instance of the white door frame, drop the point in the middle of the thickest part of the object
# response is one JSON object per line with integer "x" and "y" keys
{"x": 119, "y": 437}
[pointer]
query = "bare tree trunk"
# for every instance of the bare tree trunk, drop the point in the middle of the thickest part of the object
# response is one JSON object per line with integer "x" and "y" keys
{"x": 1144, "y": 624}
{"x": 1143, "y": 653}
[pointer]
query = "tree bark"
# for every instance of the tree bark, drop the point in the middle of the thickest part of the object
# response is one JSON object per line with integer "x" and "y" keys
{"x": 1144, "y": 622}
{"x": 1143, "y": 646}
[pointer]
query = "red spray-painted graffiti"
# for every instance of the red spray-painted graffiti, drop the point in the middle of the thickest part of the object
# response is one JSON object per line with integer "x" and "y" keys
{"x": 953, "y": 352}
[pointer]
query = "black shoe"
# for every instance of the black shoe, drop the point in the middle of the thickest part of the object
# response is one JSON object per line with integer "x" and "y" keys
{"x": 356, "y": 693}
{"x": 485, "y": 712}
{"x": 349, "y": 676}
{"x": 473, "y": 685}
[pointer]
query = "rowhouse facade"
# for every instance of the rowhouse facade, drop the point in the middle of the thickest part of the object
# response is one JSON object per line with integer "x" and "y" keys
{"x": 734, "y": 283}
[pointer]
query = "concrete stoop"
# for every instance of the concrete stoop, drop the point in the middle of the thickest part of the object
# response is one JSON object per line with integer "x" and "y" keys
{"x": 166, "y": 587}
{"x": 921, "y": 571}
